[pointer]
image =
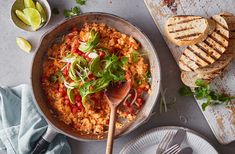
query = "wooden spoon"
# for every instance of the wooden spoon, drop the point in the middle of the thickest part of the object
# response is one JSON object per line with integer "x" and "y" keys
{"x": 115, "y": 94}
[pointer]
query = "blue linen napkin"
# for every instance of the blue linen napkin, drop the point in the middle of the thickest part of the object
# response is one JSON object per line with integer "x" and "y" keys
{"x": 21, "y": 125}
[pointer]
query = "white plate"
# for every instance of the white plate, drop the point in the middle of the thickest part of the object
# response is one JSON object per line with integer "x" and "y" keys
{"x": 147, "y": 143}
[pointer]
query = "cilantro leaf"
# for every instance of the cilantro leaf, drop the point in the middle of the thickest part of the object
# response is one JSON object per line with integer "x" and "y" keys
{"x": 58, "y": 75}
{"x": 53, "y": 78}
{"x": 207, "y": 103}
{"x": 135, "y": 56}
{"x": 200, "y": 83}
{"x": 124, "y": 60}
{"x": 72, "y": 12}
{"x": 95, "y": 67}
{"x": 185, "y": 91}
{"x": 108, "y": 70}
{"x": 81, "y": 2}
{"x": 203, "y": 91}
{"x": 139, "y": 82}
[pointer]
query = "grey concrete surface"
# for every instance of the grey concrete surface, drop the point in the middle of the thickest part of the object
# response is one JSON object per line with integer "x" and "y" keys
{"x": 15, "y": 69}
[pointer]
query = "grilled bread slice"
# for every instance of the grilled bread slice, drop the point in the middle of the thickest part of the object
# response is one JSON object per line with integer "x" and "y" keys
{"x": 189, "y": 78}
{"x": 230, "y": 19}
{"x": 225, "y": 59}
{"x": 186, "y": 30}
{"x": 208, "y": 51}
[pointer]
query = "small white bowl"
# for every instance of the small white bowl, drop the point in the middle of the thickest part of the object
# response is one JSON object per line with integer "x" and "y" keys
{"x": 19, "y": 5}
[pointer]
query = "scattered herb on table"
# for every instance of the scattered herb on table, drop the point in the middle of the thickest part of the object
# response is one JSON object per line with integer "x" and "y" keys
{"x": 81, "y": 2}
{"x": 55, "y": 11}
{"x": 185, "y": 91}
{"x": 203, "y": 91}
{"x": 72, "y": 12}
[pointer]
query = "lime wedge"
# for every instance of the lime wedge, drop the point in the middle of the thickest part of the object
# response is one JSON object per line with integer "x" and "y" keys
{"x": 29, "y": 4}
{"x": 34, "y": 17}
{"x": 22, "y": 17}
{"x": 41, "y": 11}
{"x": 23, "y": 44}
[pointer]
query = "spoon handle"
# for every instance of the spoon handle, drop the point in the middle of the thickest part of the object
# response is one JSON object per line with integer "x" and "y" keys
{"x": 112, "y": 121}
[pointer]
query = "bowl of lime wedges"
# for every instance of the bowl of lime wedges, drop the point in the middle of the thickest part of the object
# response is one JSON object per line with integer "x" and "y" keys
{"x": 31, "y": 15}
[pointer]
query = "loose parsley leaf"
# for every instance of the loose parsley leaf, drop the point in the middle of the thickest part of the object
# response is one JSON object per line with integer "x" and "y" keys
{"x": 203, "y": 91}
{"x": 207, "y": 103}
{"x": 72, "y": 12}
{"x": 55, "y": 11}
{"x": 200, "y": 83}
{"x": 81, "y": 2}
{"x": 185, "y": 91}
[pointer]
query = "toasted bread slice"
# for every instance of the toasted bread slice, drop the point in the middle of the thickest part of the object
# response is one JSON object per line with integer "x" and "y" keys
{"x": 220, "y": 64}
{"x": 230, "y": 19}
{"x": 186, "y": 30}
{"x": 189, "y": 78}
{"x": 208, "y": 51}
{"x": 228, "y": 55}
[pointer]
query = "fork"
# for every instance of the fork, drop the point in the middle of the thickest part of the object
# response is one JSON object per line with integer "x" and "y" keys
{"x": 172, "y": 150}
{"x": 164, "y": 142}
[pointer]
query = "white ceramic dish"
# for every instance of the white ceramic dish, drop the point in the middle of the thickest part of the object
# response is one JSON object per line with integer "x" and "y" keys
{"x": 147, "y": 143}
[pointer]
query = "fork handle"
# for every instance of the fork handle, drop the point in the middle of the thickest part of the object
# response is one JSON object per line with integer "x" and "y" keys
{"x": 112, "y": 121}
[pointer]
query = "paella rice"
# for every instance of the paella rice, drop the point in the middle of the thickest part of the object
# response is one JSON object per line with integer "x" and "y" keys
{"x": 79, "y": 68}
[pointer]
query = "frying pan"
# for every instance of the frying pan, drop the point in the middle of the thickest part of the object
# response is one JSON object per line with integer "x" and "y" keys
{"x": 56, "y": 126}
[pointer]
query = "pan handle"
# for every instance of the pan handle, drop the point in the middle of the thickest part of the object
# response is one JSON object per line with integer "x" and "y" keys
{"x": 44, "y": 141}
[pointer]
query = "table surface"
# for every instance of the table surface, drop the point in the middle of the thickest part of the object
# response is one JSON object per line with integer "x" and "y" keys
{"x": 15, "y": 68}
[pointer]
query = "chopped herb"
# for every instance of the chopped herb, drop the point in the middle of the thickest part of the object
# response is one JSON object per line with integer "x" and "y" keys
{"x": 124, "y": 60}
{"x": 53, "y": 78}
{"x": 107, "y": 70}
{"x": 135, "y": 56}
{"x": 203, "y": 91}
{"x": 95, "y": 67}
{"x": 81, "y": 2}
{"x": 72, "y": 12}
{"x": 139, "y": 82}
{"x": 55, "y": 11}
{"x": 58, "y": 75}
{"x": 185, "y": 91}
{"x": 200, "y": 83}
{"x": 148, "y": 74}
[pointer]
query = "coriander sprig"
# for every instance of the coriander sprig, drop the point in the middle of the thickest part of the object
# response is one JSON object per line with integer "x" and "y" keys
{"x": 81, "y": 2}
{"x": 203, "y": 91}
{"x": 72, "y": 12}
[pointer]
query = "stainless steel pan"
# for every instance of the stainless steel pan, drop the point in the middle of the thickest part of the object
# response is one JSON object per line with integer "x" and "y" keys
{"x": 56, "y": 126}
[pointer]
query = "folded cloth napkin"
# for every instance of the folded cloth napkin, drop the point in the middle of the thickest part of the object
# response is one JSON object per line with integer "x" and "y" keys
{"x": 21, "y": 125}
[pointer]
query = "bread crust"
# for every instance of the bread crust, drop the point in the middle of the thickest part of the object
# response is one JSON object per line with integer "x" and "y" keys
{"x": 186, "y": 32}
